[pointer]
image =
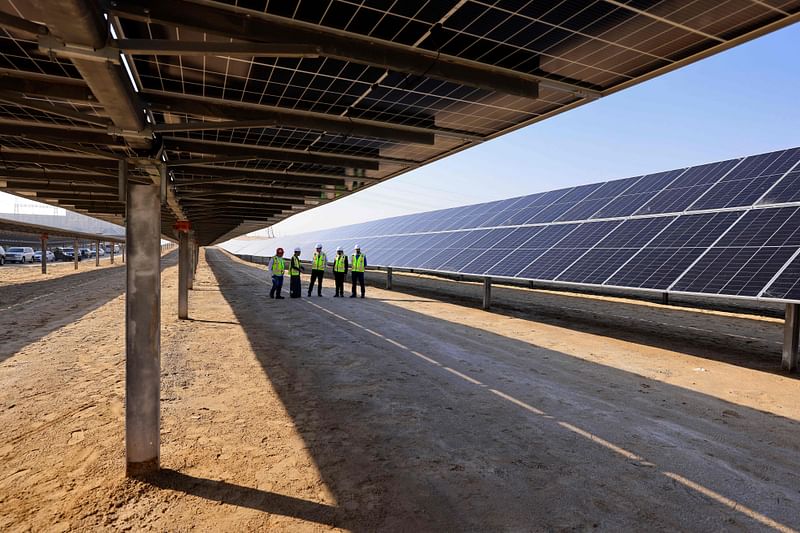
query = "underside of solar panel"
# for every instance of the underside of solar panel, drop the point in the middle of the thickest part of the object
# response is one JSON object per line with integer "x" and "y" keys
{"x": 730, "y": 228}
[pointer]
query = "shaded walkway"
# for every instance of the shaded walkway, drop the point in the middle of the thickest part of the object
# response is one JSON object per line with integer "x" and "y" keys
{"x": 420, "y": 415}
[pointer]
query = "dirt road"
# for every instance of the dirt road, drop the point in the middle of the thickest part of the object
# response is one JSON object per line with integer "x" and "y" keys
{"x": 404, "y": 412}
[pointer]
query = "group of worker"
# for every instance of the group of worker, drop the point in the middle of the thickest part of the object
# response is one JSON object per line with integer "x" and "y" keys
{"x": 277, "y": 268}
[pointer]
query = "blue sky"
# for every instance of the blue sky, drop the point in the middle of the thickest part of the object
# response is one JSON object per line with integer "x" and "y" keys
{"x": 740, "y": 102}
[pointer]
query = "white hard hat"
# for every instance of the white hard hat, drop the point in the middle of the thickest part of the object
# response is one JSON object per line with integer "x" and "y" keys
{"x": 319, "y": 245}
{"x": 339, "y": 249}
{"x": 297, "y": 249}
{"x": 357, "y": 247}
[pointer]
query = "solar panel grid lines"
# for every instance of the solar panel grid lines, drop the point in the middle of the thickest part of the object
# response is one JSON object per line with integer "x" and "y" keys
{"x": 749, "y": 181}
{"x": 785, "y": 284}
{"x": 786, "y": 189}
{"x": 687, "y": 187}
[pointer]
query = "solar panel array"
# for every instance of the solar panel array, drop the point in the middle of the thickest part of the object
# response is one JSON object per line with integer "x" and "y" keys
{"x": 730, "y": 228}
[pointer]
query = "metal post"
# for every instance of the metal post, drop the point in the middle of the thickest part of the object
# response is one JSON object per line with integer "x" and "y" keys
{"x": 75, "y": 253}
{"x": 791, "y": 338}
{"x": 665, "y": 298}
{"x": 487, "y": 293}
{"x": 44, "y": 254}
{"x": 122, "y": 251}
{"x": 184, "y": 264}
{"x": 142, "y": 330}
{"x": 192, "y": 256}
{"x": 112, "y": 252}
{"x": 97, "y": 254}
{"x": 389, "y": 278}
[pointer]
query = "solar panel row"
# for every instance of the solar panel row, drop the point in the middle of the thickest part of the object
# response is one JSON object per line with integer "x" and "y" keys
{"x": 722, "y": 228}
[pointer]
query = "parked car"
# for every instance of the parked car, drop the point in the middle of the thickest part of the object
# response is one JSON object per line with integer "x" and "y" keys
{"x": 19, "y": 254}
{"x": 84, "y": 253}
{"x": 2, "y": 256}
{"x": 68, "y": 254}
{"x": 37, "y": 256}
{"x": 93, "y": 252}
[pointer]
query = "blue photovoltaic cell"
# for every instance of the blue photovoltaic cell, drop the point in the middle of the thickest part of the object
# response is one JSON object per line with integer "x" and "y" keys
{"x": 598, "y": 199}
{"x": 612, "y": 252}
{"x": 658, "y": 265}
{"x": 748, "y": 256}
{"x": 785, "y": 191}
{"x": 748, "y": 181}
{"x": 639, "y": 193}
{"x": 562, "y": 254}
{"x": 787, "y": 285}
{"x": 687, "y": 188}
{"x": 653, "y": 240}
{"x": 490, "y": 260}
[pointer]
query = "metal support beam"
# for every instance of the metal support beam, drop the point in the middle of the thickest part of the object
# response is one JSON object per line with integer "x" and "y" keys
{"x": 75, "y": 253}
{"x": 184, "y": 264}
{"x": 346, "y": 46}
{"x": 389, "y": 278}
{"x": 275, "y": 154}
{"x": 142, "y": 331}
{"x": 44, "y": 253}
{"x": 791, "y": 338}
{"x": 270, "y": 117}
{"x": 487, "y": 293}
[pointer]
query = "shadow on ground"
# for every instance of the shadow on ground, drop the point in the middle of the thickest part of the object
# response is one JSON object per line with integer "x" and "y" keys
{"x": 454, "y": 428}
{"x": 52, "y": 303}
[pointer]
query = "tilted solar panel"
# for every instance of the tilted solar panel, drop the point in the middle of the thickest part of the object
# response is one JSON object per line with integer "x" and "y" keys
{"x": 730, "y": 228}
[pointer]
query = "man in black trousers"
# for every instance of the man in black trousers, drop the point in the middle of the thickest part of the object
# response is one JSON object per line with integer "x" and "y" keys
{"x": 339, "y": 271}
{"x": 318, "y": 263}
{"x": 358, "y": 263}
{"x": 295, "y": 267}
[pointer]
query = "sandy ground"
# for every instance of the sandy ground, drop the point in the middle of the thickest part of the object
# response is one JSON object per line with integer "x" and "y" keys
{"x": 409, "y": 410}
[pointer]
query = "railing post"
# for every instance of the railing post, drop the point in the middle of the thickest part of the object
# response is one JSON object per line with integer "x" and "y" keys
{"x": 791, "y": 338}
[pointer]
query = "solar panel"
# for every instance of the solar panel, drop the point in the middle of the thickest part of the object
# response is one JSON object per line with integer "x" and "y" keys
{"x": 730, "y": 228}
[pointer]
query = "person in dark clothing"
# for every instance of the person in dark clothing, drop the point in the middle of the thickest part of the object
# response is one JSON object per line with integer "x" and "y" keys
{"x": 295, "y": 268}
{"x": 358, "y": 263}
{"x": 318, "y": 263}
{"x": 339, "y": 271}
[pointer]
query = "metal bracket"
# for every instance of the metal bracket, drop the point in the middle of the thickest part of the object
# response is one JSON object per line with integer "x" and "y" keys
{"x": 146, "y": 133}
{"x": 52, "y": 46}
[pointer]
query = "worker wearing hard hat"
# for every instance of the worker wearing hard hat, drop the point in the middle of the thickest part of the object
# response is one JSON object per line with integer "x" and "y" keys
{"x": 358, "y": 263}
{"x": 295, "y": 267}
{"x": 276, "y": 267}
{"x": 318, "y": 263}
{"x": 339, "y": 271}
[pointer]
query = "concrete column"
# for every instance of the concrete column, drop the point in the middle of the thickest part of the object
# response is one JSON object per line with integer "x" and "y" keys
{"x": 487, "y": 293}
{"x": 44, "y": 254}
{"x": 142, "y": 330}
{"x": 75, "y": 253}
{"x": 389, "y": 278}
{"x": 791, "y": 334}
{"x": 97, "y": 254}
{"x": 184, "y": 264}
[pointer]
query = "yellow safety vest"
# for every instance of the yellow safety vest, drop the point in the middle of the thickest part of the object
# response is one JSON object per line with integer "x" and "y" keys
{"x": 357, "y": 263}
{"x": 338, "y": 263}
{"x": 294, "y": 270}
{"x": 278, "y": 266}
{"x": 319, "y": 261}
